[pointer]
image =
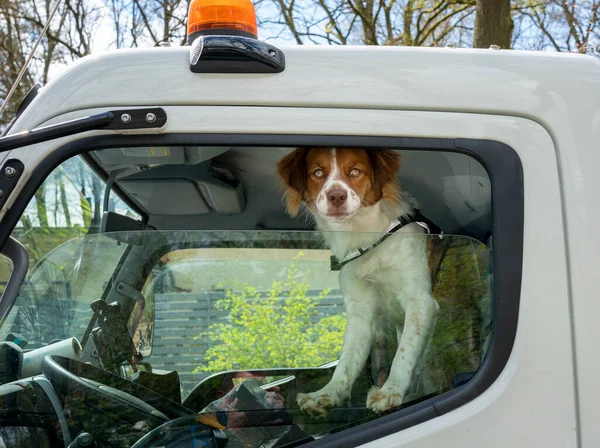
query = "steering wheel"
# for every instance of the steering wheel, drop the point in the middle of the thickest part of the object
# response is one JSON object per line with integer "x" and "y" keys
{"x": 67, "y": 374}
{"x": 203, "y": 430}
{"x": 184, "y": 432}
{"x": 260, "y": 423}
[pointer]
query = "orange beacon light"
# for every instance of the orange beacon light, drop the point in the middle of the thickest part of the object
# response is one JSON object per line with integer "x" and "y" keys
{"x": 221, "y": 17}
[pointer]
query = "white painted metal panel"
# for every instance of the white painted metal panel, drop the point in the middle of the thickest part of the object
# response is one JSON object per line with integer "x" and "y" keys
{"x": 533, "y": 401}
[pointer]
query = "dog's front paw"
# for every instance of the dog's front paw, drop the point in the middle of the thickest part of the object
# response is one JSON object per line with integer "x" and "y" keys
{"x": 317, "y": 404}
{"x": 381, "y": 400}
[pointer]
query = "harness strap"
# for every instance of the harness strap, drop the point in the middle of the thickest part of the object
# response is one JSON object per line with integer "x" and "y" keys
{"x": 416, "y": 217}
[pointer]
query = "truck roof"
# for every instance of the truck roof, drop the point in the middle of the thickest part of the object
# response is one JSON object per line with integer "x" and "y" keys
{"x": 520, "y": 83}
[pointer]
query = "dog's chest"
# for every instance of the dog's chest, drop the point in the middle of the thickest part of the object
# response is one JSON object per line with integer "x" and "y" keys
{"x": 376, "y": 283}
{"x": 388, "y": 276}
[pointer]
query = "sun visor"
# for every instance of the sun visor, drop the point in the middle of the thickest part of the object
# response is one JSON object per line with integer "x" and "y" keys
{"x": 185, "y": 190}
{"x": 117, "y": 158}
{"x": 166, "y": 196}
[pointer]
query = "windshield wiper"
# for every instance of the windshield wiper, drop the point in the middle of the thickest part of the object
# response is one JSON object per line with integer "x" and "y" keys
{"x": 155, "y": 117}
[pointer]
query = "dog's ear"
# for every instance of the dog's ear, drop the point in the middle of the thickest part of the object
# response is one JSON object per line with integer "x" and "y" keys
{"x": 292, "y": 170}
{"x": 386, "y": 164}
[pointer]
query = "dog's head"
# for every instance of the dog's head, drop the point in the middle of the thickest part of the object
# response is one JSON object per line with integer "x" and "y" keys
{"x": 336, "y": 183}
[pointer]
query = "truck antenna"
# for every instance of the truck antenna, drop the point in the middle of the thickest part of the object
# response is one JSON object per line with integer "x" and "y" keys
{"x": 24, "y": 68}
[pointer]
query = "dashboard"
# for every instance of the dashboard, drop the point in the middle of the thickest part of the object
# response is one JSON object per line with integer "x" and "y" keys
{"x": 72, "y": 404}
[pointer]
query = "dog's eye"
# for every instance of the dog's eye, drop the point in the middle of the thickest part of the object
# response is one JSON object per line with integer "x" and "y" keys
{"x": 318, "y": 173}
{"x": 355, "y": 172}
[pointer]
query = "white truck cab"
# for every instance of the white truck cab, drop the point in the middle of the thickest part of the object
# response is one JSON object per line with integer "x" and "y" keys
{"x": 143, "y": 218}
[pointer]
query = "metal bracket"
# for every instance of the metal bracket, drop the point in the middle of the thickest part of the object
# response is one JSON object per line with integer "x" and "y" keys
{"x": 138, "y": 119}
{"x": 9, "y": 176}
{"x": 148, "y": 118}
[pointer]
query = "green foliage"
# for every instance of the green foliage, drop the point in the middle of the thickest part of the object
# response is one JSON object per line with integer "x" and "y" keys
{"x": 39, "y": 241}
{"x": 280, "y": 328}
{"x": 462, "y": 290}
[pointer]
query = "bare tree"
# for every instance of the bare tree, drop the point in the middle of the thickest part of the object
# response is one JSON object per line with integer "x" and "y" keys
{"x": 149, "y": 22}
{"x": 80, "y": 27}
{"x": 560, "y": 25}
{"x": 13, "y": 47}
{"x": 369, "y": 22}
{"x": 70, "y": 36}
{"x": 35, "y": 14}
{"x": 42, "y": 209}
{"x": 493, "y": 24}
{"x": 63, "y": 200}
{"x": 20, "y": 21}
{"x": 564, "y": 25}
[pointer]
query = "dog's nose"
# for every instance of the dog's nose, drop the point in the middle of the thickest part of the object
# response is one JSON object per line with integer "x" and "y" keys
{"x": 337, "y": 197}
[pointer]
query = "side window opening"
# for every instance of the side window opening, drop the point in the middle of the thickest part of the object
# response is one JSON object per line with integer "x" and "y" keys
{"x": 67, "y": 205}
{"x": 227, "y": 294}
{"x": 56, "y": 231}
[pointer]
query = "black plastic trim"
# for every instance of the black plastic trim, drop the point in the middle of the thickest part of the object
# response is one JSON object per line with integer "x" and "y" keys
{"x": 22, "y": 106}
{"x": 506, "y": 176}
{"x": 234, "y": 54}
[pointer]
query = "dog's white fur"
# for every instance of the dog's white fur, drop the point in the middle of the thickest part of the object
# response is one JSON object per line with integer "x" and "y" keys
{"x": 381, "y": 289}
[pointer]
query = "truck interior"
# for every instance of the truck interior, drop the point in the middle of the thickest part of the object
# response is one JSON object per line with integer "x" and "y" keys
{"x": 237, "y": 188}
{"x": 140, "y": 289}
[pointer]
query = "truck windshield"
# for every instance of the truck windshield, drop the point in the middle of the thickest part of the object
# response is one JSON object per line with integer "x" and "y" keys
{"x": 214, "y": 301}
{"x": 54, "y": 302}
{"x": 192, "y": 292}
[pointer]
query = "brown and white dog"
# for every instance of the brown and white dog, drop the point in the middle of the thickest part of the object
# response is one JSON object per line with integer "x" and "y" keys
{"x": 354, "y": 197}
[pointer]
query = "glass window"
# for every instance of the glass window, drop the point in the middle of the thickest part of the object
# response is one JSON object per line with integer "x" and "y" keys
{"x": 54, "y": 303}
{"x": 288, "y": 299}
{"x": 271, "y": 308}
{"x": 227, "y": 307}
{"x": 68, "y": 269}
{"x": 68, "y": 204}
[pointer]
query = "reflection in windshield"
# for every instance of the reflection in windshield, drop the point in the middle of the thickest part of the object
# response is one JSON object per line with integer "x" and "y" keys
{"x": 219, "y": 301}
{"x": 54, "y": 302}
{"x": 201, "y": 308}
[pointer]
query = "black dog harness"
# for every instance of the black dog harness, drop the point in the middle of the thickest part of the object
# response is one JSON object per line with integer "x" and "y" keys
{"x": 416, "y": 217}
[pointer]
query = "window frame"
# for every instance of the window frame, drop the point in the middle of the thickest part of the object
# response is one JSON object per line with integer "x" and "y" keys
{"x": 505, "y": 171}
